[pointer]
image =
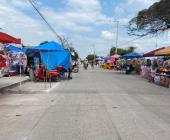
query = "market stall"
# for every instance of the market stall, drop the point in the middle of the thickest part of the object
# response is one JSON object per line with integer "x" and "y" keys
{"x": 6, "y": 56}
{"x": 48, "y": 59}
{"x": 131, "y": 55}
{"x": 108, "y": 63}
{"x": 130, "y": 63}
{"x": 17, "y": 60}
{"x": 157, "y": 68}
{"x": 152, "y": 53}
{"x": 162, "y": 75}
{"x": 163, "y": 52}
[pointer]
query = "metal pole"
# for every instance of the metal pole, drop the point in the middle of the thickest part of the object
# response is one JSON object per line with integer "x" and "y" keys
{"x": 156, "y": 40}
{"x": 117, "y": 35}
{"x": 94, "y": 55}
{"x": 20, "y": 75}
{"x": 20, "y": 70}
{"x": 49, "y": 65}
{"x": 94, "y": 52}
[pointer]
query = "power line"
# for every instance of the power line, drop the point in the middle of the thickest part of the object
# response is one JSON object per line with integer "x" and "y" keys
{"x": 44, "y": 19}
{"x": 131, "y": 40}
{"x": 134, "y": 40}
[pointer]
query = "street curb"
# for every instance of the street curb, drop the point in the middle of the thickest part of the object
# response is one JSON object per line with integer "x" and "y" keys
{"x": 2, "y": 90}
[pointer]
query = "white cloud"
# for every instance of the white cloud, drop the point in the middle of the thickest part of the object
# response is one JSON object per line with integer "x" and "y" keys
{"x": 68, "y": 21}
{"x": 107, "y": 35}
{"x": 84, "y": 5}
{"x": 142, "y": 3}
{"x": 20, "y": 3}
{"x": 33, "y": 30}
{"x": 101, "y": 46}
{"x": 128, "y": 9}
{"x": 21, "y": 25}
{"x": 77, "y": 17}
{"x": 119, "y": 11}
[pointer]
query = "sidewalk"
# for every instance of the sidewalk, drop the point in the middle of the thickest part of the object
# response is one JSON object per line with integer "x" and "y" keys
{"x": 6, "y": 82}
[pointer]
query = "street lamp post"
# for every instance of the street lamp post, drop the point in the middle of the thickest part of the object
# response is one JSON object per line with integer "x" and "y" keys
{"x": 117, "y": 35}
{"x": 94, "y": 53}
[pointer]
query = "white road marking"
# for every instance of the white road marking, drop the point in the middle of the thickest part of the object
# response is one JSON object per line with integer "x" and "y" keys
{"x": 53, "y": 87}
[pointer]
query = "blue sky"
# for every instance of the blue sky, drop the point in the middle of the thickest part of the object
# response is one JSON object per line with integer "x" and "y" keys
{"x": 88, "y": 24}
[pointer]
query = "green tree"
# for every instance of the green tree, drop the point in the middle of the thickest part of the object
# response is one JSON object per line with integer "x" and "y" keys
{"x": 112, "y": 51}
{"x": 122, "y": 51}
{"x": 91, "y": 57}
{"x": 131, "y": 49}
{"x": 150, "y": 21}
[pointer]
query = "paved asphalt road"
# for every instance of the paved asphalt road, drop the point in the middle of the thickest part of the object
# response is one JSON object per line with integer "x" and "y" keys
{"x": 94, "y": 105}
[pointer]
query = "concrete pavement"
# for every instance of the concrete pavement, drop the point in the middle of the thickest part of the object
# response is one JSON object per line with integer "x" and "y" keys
{"x": 95, "y": 105}
{"x": 7, "y": 82}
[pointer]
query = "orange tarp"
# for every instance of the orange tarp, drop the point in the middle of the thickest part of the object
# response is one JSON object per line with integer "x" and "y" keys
{"x": 163, "y": 52}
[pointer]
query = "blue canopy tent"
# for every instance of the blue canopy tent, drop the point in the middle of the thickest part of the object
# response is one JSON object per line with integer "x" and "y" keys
{"x": 54, "y": 59}
{"x": 16, "y": 49}
{"x": 132, "y": 55}
{"x": 50, "y": 46}
{"x": 53, "y": 55}
{"x": 13, "y": 48}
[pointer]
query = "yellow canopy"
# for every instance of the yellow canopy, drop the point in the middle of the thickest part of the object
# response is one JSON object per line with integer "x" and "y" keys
{"x": 163, "y": 52}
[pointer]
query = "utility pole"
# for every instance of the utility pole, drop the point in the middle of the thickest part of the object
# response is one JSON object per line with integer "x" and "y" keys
{"x": 117, "y": 35}
{"x": 94, "y": 53}
{"x": 156, "y": 40}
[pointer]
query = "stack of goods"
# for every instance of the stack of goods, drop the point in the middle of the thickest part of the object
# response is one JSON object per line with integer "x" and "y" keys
{"x": 164, "y": 73}
{"x": 160, "y": 72}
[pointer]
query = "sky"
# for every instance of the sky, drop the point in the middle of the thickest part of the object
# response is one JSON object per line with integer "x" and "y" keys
{"x": 88, "y": 24}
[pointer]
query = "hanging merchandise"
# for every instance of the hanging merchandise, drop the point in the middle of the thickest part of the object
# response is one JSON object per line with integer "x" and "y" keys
{"x": 3, "y": 65}
{"x": 16, "y": 59}
{"x": 3, "y": 61}
{"x": 22, "y": 59}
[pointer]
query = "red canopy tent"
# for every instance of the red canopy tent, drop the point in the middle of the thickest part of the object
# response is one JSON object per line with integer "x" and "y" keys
{"x": 5, "y": 38}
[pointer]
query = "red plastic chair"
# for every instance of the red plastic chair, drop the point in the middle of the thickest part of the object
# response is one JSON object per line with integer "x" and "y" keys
{"x": 60, "y": 68}
{"x": 40, "y": 74}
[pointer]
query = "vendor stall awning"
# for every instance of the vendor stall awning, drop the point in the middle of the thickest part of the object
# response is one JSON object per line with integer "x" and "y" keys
{"x": 132, "y": 55}
{"x": 50, "y": 46}
{"x": 5, "y": 38}
{"x": 152, "y": 53}
{"x": 47, "y": 47}
{"x": 163, "y": 52}
{"x": 15, "y": 49}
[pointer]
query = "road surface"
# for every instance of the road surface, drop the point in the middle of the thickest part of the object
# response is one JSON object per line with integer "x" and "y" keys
{"x": 94, "y": 105}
